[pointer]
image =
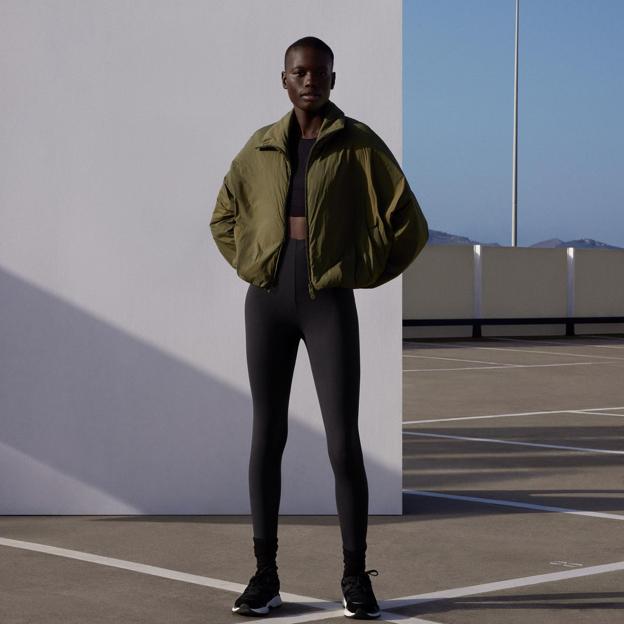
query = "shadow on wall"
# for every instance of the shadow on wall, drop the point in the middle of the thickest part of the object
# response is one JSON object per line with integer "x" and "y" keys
{"x": 95, "y": 421}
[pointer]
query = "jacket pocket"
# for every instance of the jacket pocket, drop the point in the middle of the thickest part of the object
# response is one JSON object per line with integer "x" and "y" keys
{"x": 372, "y": 255}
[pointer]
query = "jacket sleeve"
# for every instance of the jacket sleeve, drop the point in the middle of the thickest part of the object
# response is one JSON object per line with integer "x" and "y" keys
{"x": 404, "y": 221}
{"x": 223, "y": 219}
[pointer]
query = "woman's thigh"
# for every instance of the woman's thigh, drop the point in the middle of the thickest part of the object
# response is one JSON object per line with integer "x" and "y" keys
{"x": 330, "y": 329}
{"x": 272, "y": 342}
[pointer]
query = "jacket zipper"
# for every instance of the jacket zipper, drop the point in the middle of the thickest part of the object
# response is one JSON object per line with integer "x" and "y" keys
{"x": 311, "y": 289}
{"x": 285, "y": 233}
{"x": 305, "y": 206}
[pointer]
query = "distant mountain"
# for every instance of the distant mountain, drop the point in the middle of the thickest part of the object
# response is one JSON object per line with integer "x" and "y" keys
{"x": 579, "y": 242}
{"x": 437, "y": 237}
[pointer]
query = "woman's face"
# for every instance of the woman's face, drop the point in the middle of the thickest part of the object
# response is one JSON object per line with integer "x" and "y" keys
{"x": 309, "y": 78}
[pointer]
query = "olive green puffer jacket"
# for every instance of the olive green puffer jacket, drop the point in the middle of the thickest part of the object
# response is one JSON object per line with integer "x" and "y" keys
{"x": 364, "y": 224}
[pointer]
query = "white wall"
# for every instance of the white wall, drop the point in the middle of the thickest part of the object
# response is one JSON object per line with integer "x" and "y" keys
{"x": 123, "y": 380}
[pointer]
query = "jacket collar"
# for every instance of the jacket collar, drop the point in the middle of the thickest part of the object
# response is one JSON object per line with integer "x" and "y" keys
{"x": 277, "y": 134}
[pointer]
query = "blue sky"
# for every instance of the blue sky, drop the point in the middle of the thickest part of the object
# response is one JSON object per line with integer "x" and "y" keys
{"x": 458, "y": 73}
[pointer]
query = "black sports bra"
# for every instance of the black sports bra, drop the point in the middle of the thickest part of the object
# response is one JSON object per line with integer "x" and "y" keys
{"x": 299, "y": 152}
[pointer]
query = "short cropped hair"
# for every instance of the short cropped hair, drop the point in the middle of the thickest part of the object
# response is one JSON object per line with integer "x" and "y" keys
{"x": 309, "y": 42}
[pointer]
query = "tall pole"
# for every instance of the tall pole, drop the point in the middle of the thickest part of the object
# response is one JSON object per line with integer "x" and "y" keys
{"x": 514, "y": 200}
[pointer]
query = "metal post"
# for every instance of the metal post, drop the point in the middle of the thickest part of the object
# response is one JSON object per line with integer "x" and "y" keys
{"x": 476, "y": 291}
{"x": 570, "y": 300}
{"x": 514, "y": 201}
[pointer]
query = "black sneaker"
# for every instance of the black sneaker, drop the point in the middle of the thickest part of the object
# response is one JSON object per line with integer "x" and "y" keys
{"x": 261, "y": 594}
{"x": 358, "y": 599}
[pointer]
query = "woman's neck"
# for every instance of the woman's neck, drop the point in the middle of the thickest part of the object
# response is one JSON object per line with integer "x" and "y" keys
{"x": 309, "y": 124}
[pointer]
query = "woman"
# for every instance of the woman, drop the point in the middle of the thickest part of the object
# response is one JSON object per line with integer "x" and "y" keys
{"x": 312, "y": 207}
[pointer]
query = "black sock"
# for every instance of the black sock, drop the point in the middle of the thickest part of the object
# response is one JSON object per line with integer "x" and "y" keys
{"x": 265, "y": 550}
{"x": 354, "y": 561}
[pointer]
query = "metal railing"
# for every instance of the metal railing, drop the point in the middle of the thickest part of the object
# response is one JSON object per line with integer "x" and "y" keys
{"x": 477, "y": 323}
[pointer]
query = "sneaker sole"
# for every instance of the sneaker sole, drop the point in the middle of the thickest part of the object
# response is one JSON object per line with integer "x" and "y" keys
{"x": 360, "y": 614}
{"x": 245, "y": 609}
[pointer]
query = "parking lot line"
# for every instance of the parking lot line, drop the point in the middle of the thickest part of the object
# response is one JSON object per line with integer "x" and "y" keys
{"x": 512, "y": 414}
{"x": 510, "y": 503}
{"x": 560, "y": 352}
{"x": 594, "y": 413}
{"x": 482, "y": 588}
{"x": 332, "y": 609}
{"x": 471, "y": 346}
{"x": 438, "y": 370}
{"x": 439, "y": 357}
{"x": 514, "y": 442}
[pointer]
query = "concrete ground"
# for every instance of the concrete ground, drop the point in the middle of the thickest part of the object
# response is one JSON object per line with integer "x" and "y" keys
{"x": 513, "y": 482}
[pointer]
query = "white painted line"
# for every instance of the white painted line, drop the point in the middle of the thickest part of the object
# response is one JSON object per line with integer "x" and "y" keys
{"x": 385, "y": 616}
{"x": 123, "y": 564}
{"x": 521, "y": 505}
{"x": 563, "y": 342}
{"x": 435, "y": 344}
{"x": 438, "y": 357}
{"x": 437, "y": 370}
{"x": 561, "y": 352}
{"x": 395, "y": 617}
{"x": 511, "y": 414}
{"x": 514, "y": 442}
{"x": 524, "y": 581}
{"x": 328, "y": 606}
{"x": 599, "y": 413}
{"x": 332, "y": 609}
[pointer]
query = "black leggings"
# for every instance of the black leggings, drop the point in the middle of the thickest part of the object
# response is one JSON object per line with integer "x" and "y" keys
{"x": 275, "y": 321}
